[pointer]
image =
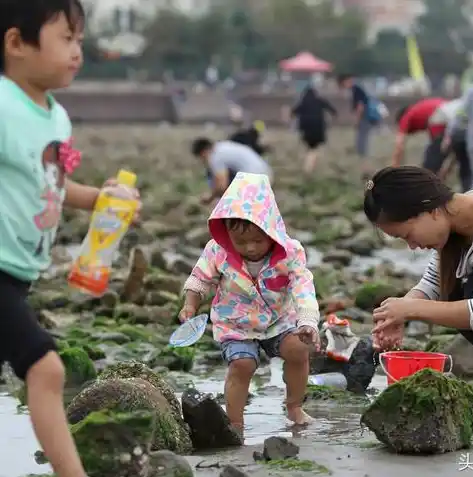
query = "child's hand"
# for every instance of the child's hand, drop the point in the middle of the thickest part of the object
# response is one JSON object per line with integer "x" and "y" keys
{"x": 309, "y": 335}
{"x": 136, "y": 195}
{"x": 187, "y": 312}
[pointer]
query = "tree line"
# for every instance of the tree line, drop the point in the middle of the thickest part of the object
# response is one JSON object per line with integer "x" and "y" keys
{"x": 236, "y": 35}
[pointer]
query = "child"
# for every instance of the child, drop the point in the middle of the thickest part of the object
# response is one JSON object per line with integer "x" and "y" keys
{"x": 265, "y": 294}
{"x": 40, "y": 51}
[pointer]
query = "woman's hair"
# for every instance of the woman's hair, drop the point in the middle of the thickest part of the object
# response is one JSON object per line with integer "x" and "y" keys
{"x": 29, "y": 16}
{"x": 397, "y": 194}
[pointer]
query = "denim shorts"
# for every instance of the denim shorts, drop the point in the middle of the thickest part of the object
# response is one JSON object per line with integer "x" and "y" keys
{"x": 244, "y": 349}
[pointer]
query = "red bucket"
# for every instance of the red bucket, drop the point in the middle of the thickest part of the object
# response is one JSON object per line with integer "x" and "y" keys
{"x": 400, "y": 364}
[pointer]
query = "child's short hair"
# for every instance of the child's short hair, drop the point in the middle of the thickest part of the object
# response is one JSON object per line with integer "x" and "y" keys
{"x": 29, "y": 16}
{"x": 200, "y": 145}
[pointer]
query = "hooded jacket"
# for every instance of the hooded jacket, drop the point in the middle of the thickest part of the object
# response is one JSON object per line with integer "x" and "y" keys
{"x": 281, "y": 297}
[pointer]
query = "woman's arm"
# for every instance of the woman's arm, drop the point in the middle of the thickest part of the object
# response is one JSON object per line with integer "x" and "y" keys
{"x": 453, "y": 314}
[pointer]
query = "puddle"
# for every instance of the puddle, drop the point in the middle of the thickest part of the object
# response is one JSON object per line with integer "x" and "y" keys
{"x": 264, "y": 416}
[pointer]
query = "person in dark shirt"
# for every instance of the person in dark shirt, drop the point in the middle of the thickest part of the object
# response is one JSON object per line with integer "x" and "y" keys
{"x": 364, "y": 124}
{"x": 251, "y": 137}
{"x": 310, "y": 113}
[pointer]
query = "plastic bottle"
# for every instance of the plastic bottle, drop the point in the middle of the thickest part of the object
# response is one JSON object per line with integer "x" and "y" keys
{"x": 113, "y": 213}
{"x": 333, "y": 380}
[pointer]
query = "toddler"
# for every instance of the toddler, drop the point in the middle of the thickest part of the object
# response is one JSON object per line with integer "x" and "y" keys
{"x": 40, "y": 50}
{"x": 265, "y": 296}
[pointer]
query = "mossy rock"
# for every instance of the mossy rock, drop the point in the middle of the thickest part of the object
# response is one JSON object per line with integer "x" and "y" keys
{"x": 370, "y": 295}
{"x": 112, "y": 443}
{"x": 130, "y": 395}
{"x": 438, "y": 342}
{"x": 427, "y": 413}
{"x": 79, "y": 367}
{"x": 135, "y": 369}
{"x": 175, "y": 359}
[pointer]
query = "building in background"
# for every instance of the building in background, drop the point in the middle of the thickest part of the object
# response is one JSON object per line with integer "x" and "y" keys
{"x": 387, "y": 14}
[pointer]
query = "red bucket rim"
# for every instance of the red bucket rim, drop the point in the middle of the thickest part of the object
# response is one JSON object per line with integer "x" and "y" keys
{"x": 414, "y": 355}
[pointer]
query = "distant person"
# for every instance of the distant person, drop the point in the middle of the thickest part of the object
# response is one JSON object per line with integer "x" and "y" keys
{"x": 367, "y": 116}
{"x": 251, "y": 137}
{"x": 310, "y": 114}
{"x": 454, "y": 144}
{"x": 223, "y": 160}
{"x": 416, "y": 118}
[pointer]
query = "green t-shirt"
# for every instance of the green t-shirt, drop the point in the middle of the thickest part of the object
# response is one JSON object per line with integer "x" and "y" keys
{"x": 32, "y": 180}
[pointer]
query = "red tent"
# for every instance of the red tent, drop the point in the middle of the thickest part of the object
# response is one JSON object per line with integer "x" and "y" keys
{"x": 305, "y": 62}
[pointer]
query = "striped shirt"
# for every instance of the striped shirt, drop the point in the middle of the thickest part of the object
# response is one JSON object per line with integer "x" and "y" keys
{"x": 430, "y": 281}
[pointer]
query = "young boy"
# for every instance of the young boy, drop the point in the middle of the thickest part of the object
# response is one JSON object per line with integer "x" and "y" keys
{"x": 265, "y": 293}
{"x": 40, "y": 50}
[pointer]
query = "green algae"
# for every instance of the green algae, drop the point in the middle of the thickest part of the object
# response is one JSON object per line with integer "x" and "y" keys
{"x": 326, "y": 393}
{"x": 78, "y": 365}
{"x": 299, "y": 465}
{"x": 103, "y": 436}
{"x": 427, "y": 412}
{"x": 370, "y": 295}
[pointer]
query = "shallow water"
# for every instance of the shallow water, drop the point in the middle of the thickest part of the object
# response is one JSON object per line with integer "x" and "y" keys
{"x": 264, "y": 416}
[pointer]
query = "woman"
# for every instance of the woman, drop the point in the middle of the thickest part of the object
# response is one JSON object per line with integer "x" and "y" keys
{"x": 310, "y": 113}
{"x": 413, "y": 204}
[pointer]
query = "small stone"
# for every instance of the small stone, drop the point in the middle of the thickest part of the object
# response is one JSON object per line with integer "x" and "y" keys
{"x": 279, "y": 448}
{"x": 165, "y": 463}
{"x": 232, "y": 471}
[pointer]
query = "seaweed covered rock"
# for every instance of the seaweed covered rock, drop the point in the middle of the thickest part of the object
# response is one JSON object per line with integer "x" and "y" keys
{"x": 121, "y": 446}
{"x": 425, "y": 413}
{"x": 79, "y": 367}
{"x": 370, "y": 295}
{"x": 114, "y": 444}
{"x": 135, "y": 369}
{"x": 130, "y": 395}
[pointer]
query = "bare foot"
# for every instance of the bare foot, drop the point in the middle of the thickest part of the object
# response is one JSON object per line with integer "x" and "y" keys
{"x": 298, "y": 416}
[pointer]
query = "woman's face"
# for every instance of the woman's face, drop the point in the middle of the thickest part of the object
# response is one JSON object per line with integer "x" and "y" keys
{"x": 426, "y": 231}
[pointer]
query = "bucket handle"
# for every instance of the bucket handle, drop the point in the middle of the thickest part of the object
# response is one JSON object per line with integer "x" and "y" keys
{"x": 450, "y": 360}
{"x": 381, "y": 355}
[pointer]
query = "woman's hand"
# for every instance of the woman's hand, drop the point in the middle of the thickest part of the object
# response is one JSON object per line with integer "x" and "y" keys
{"x": 395, "y": 311}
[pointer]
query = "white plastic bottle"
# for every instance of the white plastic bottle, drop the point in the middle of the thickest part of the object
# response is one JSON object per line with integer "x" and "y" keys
{"x": 333, "y": 380}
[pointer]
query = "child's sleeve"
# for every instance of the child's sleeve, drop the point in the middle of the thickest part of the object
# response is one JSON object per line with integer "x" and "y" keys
{"x": 302, "y": 290}
{"x": 205, "y": 273}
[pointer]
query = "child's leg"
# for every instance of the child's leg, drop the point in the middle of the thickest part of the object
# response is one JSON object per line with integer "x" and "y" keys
{"x": 45, "y": 384}
{"x": 31, "y": 352}
{"x": 242, "y": 358}
{"x": 296, "y": 371}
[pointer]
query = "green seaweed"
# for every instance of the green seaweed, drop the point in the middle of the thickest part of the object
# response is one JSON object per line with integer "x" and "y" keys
{"x": 79, "y": 367}
{"x": 414, "y": 403}
{"x": 302, "y": 465}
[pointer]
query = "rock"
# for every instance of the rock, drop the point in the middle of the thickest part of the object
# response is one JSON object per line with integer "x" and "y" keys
{"x": 134, "y": 284}
{"x": 111, "y": 336}
{"x": 232, "y": 471}
{"x": 48, "y": 320}
{"x": 129, "y": 395}
{"x": 175, "y": 359}
{"x": 209, "y": 424}
{"x": 423, "y": 413}
{"x": 109, "y": 300}
{"x": 370, "y": 295}
{"x": 198, "y": 236}
{"x": 279, "y": 448}
{"x": 461, "y": 352}
{"x": 362, "y": 243}
{"x": 114, "y": 444}
{"x": 437, "y": 343}
{"x": 134, "y": 369}
{"x": 339, "y": 257}
{"x": 362, "y": 365}
{"x": 164, "y": 282}
{"x": 161, "y": 297}
{"x": 79, "y": 367}
{"x": 165, "y": 463}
